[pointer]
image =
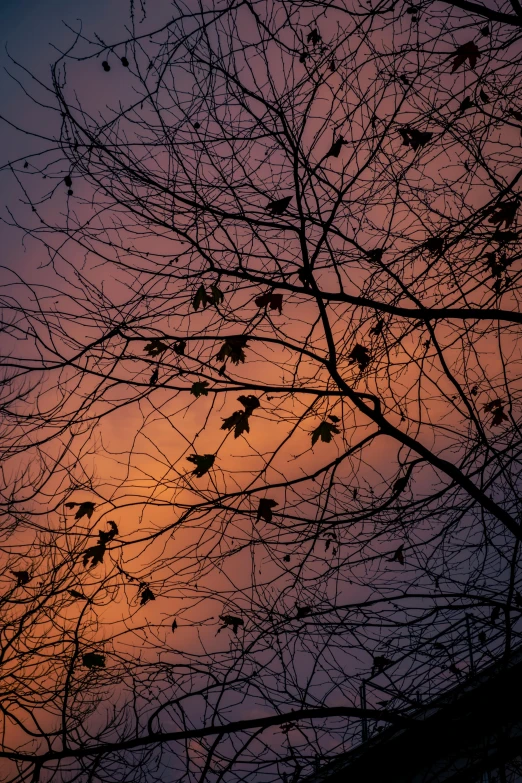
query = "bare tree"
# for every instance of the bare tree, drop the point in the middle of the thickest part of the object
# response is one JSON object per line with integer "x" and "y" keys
{"x": 261, "y": 403}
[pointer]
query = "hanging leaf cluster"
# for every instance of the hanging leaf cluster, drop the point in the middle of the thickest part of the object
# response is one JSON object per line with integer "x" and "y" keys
{"x": 503, "y": 213}
{"x": 84, "y": 509}
{"x": 233, "y": 349}
{"x": 271, "y": 300}
{"x": 202, "y": 298}
{"x": 156, "y": 347}
{"x": 239, "y": 420}
{"x": 22, "y": 577}
{"x": 96, "y": 553}
{"x": 411, "y": 137}
{"x": 94, "y": 660}
{"x": 359, "y": 355}
{"x": 496, "y": 407}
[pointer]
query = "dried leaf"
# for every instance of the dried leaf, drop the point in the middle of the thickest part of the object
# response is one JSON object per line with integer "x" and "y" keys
{"x": 238, "y": 421}
{"x": 85, "y": 510}
{"x": 302, "y": 611}
{"x": 200, "y": 389}
{"x": 233, "y": 349}
{"x": 496, "y": 407}
{"x": 203, "y": 463}
{"x": 179, "y": 347}
{"x": 94, "y": 554}
{"x": 155, "y": 347}
{"x": 22, "y": 577}
{"x": 279, "y": 206}
{"x": 503, "y": 213}
{"x": 468, "y": 51}
{"x": 229, "y": 620}
{"x": 264, "y": 510}
{"x": 398, "y": 556}
{"x": 145, "y": 594}
{"x": 200, "y": 299}
{"x": 314, "y": 37}
{"x": 93, "y": 660}
{"x": 359, "y": 355}
{"x": 274, "y": 301}
{"x": 249, "y": 401}
{"x": 335, "y": 149}
{"x": 325, "y": 431}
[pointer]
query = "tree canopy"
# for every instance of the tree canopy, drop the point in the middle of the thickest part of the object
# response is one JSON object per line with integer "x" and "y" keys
{"x": 260, "y": 399}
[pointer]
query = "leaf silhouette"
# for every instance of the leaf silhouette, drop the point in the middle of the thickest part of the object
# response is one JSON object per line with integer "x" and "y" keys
{"x": 516, "y": 114}
{"x": 233, "y": 349}
{"x": 495, "y": 614}
{"x": 94, "y": 554}
{"x": 174, "y": 625}
{"x": 325, "y": 431}
{"x": 314, "y": 37}
{"x": 124, "y": 62}
{"x": 335, "y": 419}
{"x": 359, "y": 355}
{"x": 411, "y": 137}
{"x": 279, "y": 206}
{"x": 70, "y": 505}
{"x": 503, "y": 213}
{"x": 398, "y": 556}
{"x": 483, "y": 96}
{"x": 274, "y": 301}
{"x": 434, "y": 244}
{"x": 200, "y": 299}
{"x": 200, "y": 389}
{"x": 264, "y": 510}
{"x": 468, "y": 51}
{"x": 106, "y": 67}
{"x": 401, "y": 484}
{"x": 496, "y": 407}
{"x": 380, "y": 663}
{"x": 335, "y": 149}
{"x": 229, "y": 620}
{"x": 376, "y": 254}
{"x": 377, "y": 329}
{"x": 145, "y": 594}
{"x": 302, "y": 611}
{"x": 216, "y": 296}
{"x": 68, "y": 181}
{"x": 85, "y": 510}
{"x": 154, "y": 377}
{"x": 286, "y": 558}
{"x": 203, "y": 463}
{"x": 238, "y": 421}
{"x": 504, "y": 237}
{"x": 93, "y": 660}
{"x": 179, "y": 347}
{"x": 466, "y": 104}
{"x": 155, "y": 347}
{"x": 104, "y": 536}
{"x": 249, "y": 401}
{"x": 22, "y": 577}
